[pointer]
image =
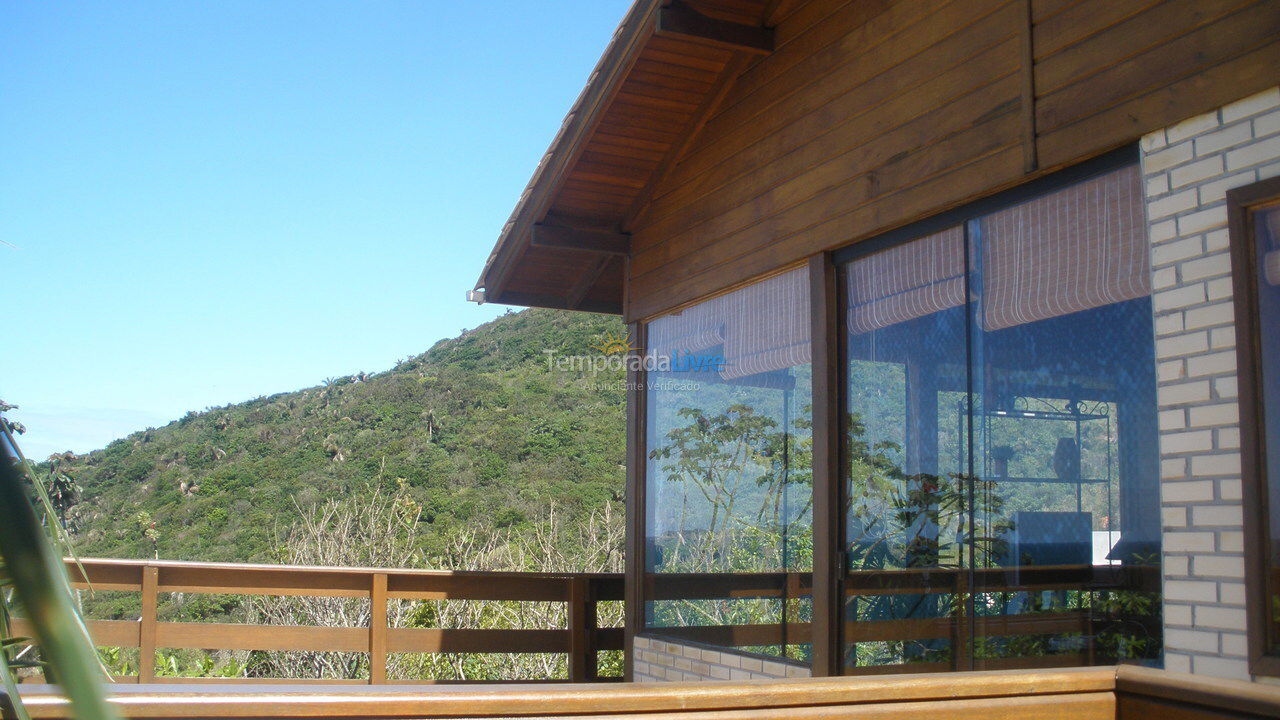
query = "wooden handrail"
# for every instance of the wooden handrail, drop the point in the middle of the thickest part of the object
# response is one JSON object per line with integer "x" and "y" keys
{"x": 582, "y": 640}
{"x": 1101, "y": 693}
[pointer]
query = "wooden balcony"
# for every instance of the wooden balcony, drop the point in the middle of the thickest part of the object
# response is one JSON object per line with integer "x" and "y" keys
{"x": 1104, "y": 693}
{"x": 582, "y": 640}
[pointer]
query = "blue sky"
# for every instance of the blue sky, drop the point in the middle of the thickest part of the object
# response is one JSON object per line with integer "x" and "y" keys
{"x": 203, "y": 202}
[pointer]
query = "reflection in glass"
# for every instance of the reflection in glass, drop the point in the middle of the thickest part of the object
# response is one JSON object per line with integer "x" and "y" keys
{"x": 1002, "y": 507}
{"x": 1266, "y": 248}
{"x": 729, "y": 480}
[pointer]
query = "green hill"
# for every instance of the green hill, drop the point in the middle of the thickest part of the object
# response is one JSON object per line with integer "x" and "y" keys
{"x": 478, "y": 429}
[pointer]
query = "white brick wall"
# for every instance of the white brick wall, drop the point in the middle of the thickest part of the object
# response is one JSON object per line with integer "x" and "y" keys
{"x": 662, "y": 660}
{"x": 1187, "y": 170}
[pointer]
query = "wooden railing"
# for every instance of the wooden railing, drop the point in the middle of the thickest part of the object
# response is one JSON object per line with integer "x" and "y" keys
{"x": 943, "y": 581}
{"x": 1102, "y": 693}
{"x": 582, "y": 640}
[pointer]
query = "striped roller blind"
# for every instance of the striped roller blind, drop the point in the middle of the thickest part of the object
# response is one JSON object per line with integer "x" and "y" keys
{"x": 1081, "y": 247}
{"x": 907, "y": 281}
{"x": 767, "y": 325}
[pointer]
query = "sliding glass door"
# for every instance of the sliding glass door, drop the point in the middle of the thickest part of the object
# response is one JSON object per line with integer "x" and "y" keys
{"x": 1000, "y": 493}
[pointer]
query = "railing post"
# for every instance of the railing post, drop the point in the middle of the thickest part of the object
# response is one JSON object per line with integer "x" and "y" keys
{"x": 147, "y": 624}
{"x": 378, "y": 629}
{"x": 582, "y": 621}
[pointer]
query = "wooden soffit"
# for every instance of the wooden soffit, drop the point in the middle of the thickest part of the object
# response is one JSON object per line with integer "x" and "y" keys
{"x": 667, "y": 68}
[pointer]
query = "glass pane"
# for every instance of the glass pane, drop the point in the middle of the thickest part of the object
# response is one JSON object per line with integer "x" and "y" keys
{"x": 1266, "y": 225}
{"x": 729, "y": 480}
{"x": 906, "y": 452}
{"x": 1066, "y": 541}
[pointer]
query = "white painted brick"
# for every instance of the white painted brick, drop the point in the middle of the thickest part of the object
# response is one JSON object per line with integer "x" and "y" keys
{"x": 1205, "y": 267}
{"x": 1192, "y": 126}
{"x": 1187, "y": 442}
{"x": 1219, "y": 289}
{"x": 1196, "y": 172}
{"x": 1173, "y": 517}
{"x": 1185, "y": 541}
{"x": 1166, "y": 157}
{"x": 1190, "y": 590}
{"x": 1157, "y": 185}
{"x": 1196, "y": 640}
{"x": 1171, "y": 370}
{"x": 1228, "y": 488}
{"x": 1188, "y": 392}
{"x": 1225, "y": 387}
{"x": 1162, "y": 231}
{"x": 1218, "y": 314}
{"x": 1208, "y": 415}
{"x": 1231, "y": 593}
{"x": 1265, "y": 125}
{"x": 1212, "y": 364}
{"x": 1219, "y": 464}
{"x": 1181, "y": 202}
{"x": 1177, "y": 565}
{"x": 1228, "y": 136}
{"x": 1177, "y": 251}
{"x": 1219, "y": 566}
{"x": 1164, "y": 278}
{"x": 1251, "y": 105}
{"x": 1153, "y": 141}
{"x": 1177, "y": 662}
{"x": 1223, "y": 337}
{"x": 1174, "y": 469}
{"x": 1170, "y": 324}
{"x": 1220, "y": 667}
{"x": 1216, "y": 191}
{"x": 1227, "y": 438}
{"x": 1173, "y": 419}
{"x": 1177, "y": 614}
{"x": 1197, "y": 222}
{"x": 1254, "y": 154}
{"x": 1216, "y": 516}
{"x": 1180, "y": 297}
{"x": 1217, "y": 240}
{"x": 1232, "y": 542}
{"x": 1235, "y": 644}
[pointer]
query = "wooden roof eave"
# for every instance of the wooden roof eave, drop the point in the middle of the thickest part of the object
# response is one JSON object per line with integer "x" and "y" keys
{"x": 615, "y": 187}
{"x": 608, "y": 75}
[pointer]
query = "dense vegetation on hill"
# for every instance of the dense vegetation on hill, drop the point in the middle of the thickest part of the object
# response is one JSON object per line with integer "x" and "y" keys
{"x": 478, "y": 431}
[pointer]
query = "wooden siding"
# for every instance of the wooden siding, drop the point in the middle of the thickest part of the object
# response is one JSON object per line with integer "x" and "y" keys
{"x": 874, "y": 113}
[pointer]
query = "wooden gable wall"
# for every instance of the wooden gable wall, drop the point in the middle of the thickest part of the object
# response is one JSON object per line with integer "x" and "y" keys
{"x": 870, "y": 114}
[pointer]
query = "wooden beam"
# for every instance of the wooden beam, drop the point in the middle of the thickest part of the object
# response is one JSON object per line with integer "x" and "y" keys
{"x": 680, "y": 21}
{"x": 828, "y": 565}
{"x": 1030, "y": 163}
{"x": 580, "y": 289}
{"x": 556, "y": 302}
{"x": 634, "y": 555}
{"x": 586, "y": 240}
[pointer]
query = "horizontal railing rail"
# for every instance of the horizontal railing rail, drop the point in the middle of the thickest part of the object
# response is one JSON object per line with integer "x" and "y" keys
{"x": 867, "y": 584}
{"x": 581, "y": 640}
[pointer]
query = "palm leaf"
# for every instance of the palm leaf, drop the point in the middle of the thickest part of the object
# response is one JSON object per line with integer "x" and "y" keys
{"x": 39, "y": 580}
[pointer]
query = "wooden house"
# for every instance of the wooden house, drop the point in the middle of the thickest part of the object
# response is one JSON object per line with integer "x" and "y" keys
{"x": 954, "y": 329}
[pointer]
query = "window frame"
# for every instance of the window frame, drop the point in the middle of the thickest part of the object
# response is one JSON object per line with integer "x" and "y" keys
{"x": 1241, "y": 204}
